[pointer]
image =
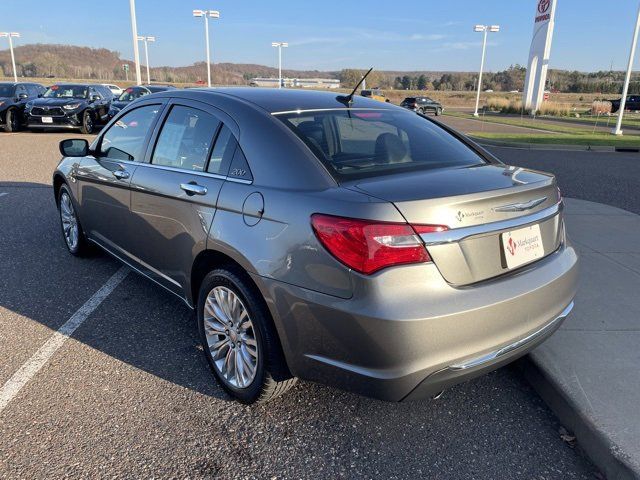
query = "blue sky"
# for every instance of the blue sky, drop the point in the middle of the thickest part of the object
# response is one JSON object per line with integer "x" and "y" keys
{"x": 330, "y": 34}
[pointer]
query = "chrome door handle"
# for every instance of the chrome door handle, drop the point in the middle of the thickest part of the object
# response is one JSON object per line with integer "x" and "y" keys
{"x": 121, "y": 174}
{"x": 193, "y": 189}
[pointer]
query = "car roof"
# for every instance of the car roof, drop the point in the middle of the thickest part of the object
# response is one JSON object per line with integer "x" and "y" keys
{"x": 285, "y": 100}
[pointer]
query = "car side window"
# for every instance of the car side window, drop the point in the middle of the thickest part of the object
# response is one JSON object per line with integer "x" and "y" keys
{"x": 185, "y": 139}
{"x": 20, "y": 89}
{"x": 125, "y": 138}
{"x": 222, "y": 152}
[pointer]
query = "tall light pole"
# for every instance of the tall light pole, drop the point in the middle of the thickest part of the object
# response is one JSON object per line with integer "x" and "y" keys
{"x": 625, "y": 89}
{"x": 10, "y": 36}
{"x": 206, "y": 14}
{"x": 134, "y": 34}
{"x": 146, "y": 41}
{"x": 484, "y": 29}
{"x": 280, "y": 46}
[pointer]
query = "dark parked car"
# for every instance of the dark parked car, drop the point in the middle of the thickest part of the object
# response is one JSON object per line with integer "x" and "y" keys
{"x": 632, "y": 104}
{"x": 331, "y": 238}
{"x": 422, "y": 105}
{"x": 13, "y": 98}
{"x": 70, "y": 105}
{"x": 133, "y": 93}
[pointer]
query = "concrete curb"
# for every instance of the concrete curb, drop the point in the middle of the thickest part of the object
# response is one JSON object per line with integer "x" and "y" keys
{"x": 604, "y": 453}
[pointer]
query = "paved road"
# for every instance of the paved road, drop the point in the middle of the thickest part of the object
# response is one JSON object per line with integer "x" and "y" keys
{"x": 130, "y": 394}
{"x": 611, "y": 178}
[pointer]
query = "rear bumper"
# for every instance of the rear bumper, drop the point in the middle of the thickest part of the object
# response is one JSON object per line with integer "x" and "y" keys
{"x": 406, "y": 334}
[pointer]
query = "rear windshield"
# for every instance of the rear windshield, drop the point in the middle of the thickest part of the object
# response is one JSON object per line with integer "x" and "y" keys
{"x": 367, "y": 143}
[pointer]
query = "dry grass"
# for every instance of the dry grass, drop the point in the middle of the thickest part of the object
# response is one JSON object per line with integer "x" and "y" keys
{"x": 601, "y": 107}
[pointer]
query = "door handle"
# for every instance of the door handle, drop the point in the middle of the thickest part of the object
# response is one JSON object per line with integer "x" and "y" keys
{"x": 193, "y": 189}
{"x": 121, "y": 174}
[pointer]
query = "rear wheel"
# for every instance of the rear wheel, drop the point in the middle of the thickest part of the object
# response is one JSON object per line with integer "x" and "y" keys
{"x": 87, "y": 123}
{"x": 12, "y": 121}
{"x": 239, "y": 339}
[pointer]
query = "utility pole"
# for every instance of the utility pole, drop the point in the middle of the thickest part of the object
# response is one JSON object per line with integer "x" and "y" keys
{"x": 625, "y": 89}
{"x": 134, "y": 33}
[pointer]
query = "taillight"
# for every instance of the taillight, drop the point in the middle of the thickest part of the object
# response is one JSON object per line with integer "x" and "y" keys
{"x": 367, "y": 246}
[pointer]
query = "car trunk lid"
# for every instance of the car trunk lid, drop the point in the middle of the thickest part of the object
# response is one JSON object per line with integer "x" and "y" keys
{"x": 479, "y": 205}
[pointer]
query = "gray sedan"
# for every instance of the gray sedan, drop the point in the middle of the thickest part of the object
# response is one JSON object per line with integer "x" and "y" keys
{"x": 333, "y": 239}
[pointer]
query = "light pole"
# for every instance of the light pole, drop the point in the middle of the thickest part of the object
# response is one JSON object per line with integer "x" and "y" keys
{"x": 625, "y": 89}
{"x": 134, "y": 33}
{"x": 146, "y": 41}
{"x": 484, "y": 29}
{"x": 206, "y": 14}
{"x": 280, "y": 46}
{"x": 11, "y": 35}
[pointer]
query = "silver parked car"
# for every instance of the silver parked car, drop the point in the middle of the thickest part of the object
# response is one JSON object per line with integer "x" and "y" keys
{"x": 338, "y": 240}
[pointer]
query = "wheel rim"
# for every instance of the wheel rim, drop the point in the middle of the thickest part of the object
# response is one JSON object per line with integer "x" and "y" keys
{"x": 69, "y": 221}
{"x": 88, "y": 123}
{"x": 14, "y": 121}
{"x": 230, "y": 337}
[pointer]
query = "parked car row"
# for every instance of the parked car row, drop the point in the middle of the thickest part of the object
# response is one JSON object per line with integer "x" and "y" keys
{"x": 77, "y": 106}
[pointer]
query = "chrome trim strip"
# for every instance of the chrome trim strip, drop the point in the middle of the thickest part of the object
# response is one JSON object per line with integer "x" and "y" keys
{"x": 457, "y": 234}
{"x": 496, "y": 354}
{"x": 178, "y": 170}
{"x": 520, "y": 207}
{"x": 327, "y": 110}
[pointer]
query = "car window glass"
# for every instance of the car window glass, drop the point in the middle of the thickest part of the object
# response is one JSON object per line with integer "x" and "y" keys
{"x": 185, "y": 139}
{"x": 20, "y": 89}
{"x": 222, "y": 151}
{"x": 125, "y": 139}
{"x": 361, "y": 143}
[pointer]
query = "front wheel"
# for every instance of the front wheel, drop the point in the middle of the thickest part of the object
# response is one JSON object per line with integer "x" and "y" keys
{"x": 12, "y": 121}
{"x": 239, "y": 338}
{"x": 87, "y": 123}
{"x": 438, "y": 112}
{"x": 71, "y": 228}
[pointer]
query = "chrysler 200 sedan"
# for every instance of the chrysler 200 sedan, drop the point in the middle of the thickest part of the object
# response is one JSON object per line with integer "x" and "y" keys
{"x": 344, "y": 241}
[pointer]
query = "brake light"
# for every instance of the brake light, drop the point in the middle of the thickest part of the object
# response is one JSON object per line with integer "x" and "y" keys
{"x": 367, "y": 246}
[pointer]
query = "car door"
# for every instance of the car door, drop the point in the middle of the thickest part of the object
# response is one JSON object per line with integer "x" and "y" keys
{"x": 104, "y": 177}
{"x": 174, "y": 194}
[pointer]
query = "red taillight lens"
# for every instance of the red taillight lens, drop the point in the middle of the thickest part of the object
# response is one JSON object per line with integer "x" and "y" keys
{"x": 368, "y": 246}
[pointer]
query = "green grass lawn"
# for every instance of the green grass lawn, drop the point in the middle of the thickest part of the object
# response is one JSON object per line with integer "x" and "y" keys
{"x": 594, "y": 140}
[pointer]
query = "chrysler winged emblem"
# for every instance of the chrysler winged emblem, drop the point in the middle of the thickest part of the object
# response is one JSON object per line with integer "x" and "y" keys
{"x": 520, "y": 207}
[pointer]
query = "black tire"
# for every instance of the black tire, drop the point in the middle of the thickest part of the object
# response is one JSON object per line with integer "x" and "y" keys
{"x": 82, "y": 247}
{"x": 87, "y": 123}
{"x": 438, "y": 112}
{"x": 12, "y": 121}
{"x": 272, "y": 376}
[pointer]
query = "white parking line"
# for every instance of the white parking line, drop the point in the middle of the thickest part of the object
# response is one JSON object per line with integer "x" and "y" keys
{"x": 27, "y": 371}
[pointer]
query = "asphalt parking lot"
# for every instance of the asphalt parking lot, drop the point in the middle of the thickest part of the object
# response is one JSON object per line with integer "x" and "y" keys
{"x": 130, "y": 393}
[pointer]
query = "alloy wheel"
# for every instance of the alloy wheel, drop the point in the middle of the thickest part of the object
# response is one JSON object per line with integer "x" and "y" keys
{"x": 230, "y": 337}
{"x": 69, "y": 221}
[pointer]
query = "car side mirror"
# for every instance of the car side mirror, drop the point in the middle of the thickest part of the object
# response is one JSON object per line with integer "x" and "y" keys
{"x": 39, "y": 95}
{"x": 95, "y": 98}
{"x": 22, "y": 96}
{"x": 74, "y": 147}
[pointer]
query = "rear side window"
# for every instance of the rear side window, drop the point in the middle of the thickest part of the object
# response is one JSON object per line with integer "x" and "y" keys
{"x": 185, "y": 139}
{"x": 364, "y": 143}
{"x": 125, "y": 139}
{"x": 222, "y": 151}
